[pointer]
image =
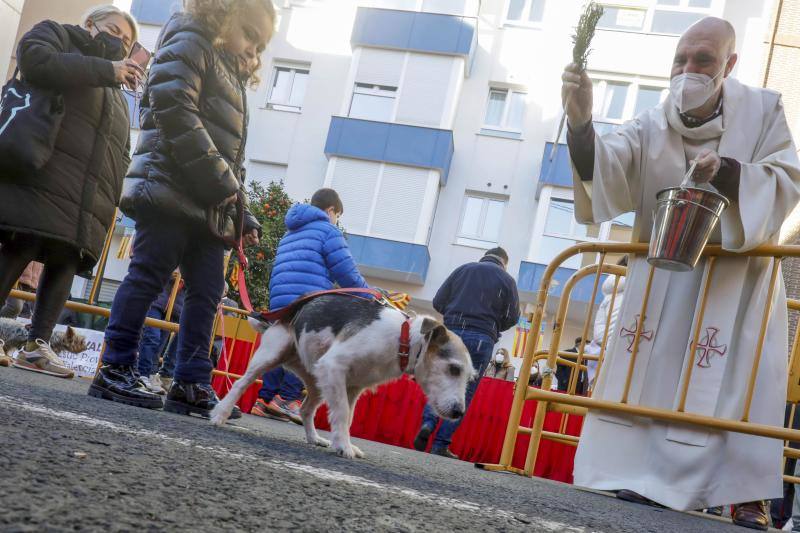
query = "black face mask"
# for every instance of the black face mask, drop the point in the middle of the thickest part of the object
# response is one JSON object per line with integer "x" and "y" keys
{"x": 109, "y": 46}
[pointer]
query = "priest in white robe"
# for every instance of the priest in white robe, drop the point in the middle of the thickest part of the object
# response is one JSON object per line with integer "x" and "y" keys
{"x": 740, "y": 140}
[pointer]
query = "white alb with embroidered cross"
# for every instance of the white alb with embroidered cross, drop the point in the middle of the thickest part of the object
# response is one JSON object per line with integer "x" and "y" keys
{"x": 676, "y": 465}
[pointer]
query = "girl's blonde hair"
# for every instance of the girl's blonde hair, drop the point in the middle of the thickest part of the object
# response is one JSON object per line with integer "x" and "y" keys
{"x": 217, "y": 14}
{"x": 100, "y": 13}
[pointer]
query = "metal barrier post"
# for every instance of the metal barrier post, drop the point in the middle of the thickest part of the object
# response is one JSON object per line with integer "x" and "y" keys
{"x": 101, "y": 265}
{"x": 696, "y": 337}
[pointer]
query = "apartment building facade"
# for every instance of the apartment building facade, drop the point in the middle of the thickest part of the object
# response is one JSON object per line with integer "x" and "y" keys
{"x": 435, "y": 119}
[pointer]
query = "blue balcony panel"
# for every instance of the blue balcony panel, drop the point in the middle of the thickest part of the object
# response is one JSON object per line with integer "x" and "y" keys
{"x": 530, "y": 279}
{"x": 155, "y": 12}
{"x": 558, "y": 171}
{"x": 390, "y": 260}
{"x": 420, "y": 32}
{"x": 399, "y": 144}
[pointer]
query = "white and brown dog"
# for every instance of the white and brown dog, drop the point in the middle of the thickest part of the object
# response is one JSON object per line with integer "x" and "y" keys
{"x": 340, "y": 345}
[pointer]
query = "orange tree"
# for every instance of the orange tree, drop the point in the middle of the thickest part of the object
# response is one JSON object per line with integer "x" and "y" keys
{"x": 269, "y": 205}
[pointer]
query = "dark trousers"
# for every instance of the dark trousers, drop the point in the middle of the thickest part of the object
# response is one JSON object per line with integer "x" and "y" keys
{"x": 151, "y": 346}
{"x": 480, "y": 348}
{"x": 60, "y": 266}
{"x": 159, "y": 247}
{"x": 281, "y": 381}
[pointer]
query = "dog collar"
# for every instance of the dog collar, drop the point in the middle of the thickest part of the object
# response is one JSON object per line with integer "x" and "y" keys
{"x": 404, "y": 351}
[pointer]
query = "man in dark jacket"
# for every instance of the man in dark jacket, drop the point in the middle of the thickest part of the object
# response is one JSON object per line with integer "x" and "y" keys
{"x": 478, "y": 302}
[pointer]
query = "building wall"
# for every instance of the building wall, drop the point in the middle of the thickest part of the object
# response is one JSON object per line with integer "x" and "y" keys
{"x": 781, "y": 73}
{"x": 10, "y": 14}
{"x": 33, "y": 12}
{"x": 448, "y": 92}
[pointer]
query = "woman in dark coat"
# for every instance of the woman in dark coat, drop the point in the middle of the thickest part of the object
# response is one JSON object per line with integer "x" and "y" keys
{"x": 183, "y": 191}
{"x": 60, "y": 214}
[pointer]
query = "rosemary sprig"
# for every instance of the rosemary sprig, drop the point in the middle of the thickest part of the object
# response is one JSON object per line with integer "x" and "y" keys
{"x": 581, "y": 42}
{"x": 584, "y": 33}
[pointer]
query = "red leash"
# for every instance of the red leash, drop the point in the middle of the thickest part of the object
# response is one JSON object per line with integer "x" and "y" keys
{"x": 244, "y": 296}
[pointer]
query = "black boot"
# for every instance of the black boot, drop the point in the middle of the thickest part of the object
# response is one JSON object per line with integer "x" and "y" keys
{"x": 194, "y": 398}
{"x": 121, "y": 383}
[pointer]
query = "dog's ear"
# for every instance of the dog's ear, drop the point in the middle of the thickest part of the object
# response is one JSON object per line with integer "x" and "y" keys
{"x": 70, "y": 333}
{"x": 433, "y": 331}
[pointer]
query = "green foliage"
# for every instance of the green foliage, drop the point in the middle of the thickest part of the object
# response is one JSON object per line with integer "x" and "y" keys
{"x": 584, "y": 33}
{"x": 269, "y": 205}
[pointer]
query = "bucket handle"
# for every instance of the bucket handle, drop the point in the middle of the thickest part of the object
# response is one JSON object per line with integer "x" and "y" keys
{"x": 687, "y": 179}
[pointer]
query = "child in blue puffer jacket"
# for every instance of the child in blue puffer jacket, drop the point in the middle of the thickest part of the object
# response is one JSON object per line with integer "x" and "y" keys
{"x": 312, "y": 256}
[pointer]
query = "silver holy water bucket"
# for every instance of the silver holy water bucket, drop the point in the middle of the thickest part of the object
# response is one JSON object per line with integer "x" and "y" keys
{"x": 683, "y": 222}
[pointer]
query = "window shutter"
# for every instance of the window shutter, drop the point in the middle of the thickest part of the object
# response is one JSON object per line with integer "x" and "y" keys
{"x": 265, "y": 173}
{"x": 400, "y": 200}
{"x": 424, "y": 91}
{"x": 355, "y": 182}
{"x": 380, "y": 67}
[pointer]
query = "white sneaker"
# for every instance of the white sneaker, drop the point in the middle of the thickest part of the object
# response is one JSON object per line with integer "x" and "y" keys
{"x": 44, "y": 360}
{"x": 155, "y": 385}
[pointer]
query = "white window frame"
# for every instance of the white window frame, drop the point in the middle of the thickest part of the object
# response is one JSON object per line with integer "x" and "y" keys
{"x": 550, "y": 193}
{"x": 380, "y": 91}
{"x": 424, "y": 227}
{"x": 506, "y": 107}
{"x": 475, "y": 241}
{"x": 634, "y": 85}
{"x": 523, "y": 22}
{"x": 651, "y": 6}
{"x": 293, "y": 68}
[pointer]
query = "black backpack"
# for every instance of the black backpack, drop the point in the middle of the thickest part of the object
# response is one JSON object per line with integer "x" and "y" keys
{"x": 30, "y": 118}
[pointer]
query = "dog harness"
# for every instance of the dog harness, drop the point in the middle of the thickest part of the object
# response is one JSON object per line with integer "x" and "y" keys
{"x": 404, "y": 348}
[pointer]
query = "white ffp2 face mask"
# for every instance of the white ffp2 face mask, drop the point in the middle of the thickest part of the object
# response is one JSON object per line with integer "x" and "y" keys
{"x": 499, "y": 358}
{"x": 690, "y": 90}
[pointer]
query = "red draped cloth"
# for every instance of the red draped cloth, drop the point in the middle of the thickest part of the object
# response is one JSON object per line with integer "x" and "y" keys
{"x": 393, "y": 413}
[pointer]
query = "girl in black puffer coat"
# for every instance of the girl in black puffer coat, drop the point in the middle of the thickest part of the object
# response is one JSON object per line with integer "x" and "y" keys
{"x": 60, "y": 214}
{"x": 185, "y": 190}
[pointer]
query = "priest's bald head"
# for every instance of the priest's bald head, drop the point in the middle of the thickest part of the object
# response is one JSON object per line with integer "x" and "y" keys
{"x": 707, "y": 48}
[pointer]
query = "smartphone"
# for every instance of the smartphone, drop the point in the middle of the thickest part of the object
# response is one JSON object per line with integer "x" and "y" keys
{"x": 140, "y": 54}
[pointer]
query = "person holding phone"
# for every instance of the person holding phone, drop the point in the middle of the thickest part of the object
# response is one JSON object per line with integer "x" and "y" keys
{"x": 60, "y": 214}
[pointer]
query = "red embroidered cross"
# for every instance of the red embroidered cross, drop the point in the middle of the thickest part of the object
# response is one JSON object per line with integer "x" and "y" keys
{"x": 630, "y": 334}
{"x": 708, "y": 346}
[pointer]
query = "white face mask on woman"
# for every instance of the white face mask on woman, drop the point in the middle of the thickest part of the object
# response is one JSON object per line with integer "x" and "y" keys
{"x": 691, "y": 90}
{"x": 499, "y": 358}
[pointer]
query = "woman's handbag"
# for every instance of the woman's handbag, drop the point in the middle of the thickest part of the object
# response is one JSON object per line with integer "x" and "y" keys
{"x": 30, "y": 118}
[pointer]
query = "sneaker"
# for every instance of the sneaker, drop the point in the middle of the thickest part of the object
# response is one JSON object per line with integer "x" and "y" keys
{"x": 262, "y": 409}
{"x": 444, "y": 452}
{"x": 153, "y": 384}
{"x": 422, "y": 438}
{"x": 166, "y": 381}
{"x": 292, "y": 410}
{"x": 5, "y": 360}
{"x": 44, "y": 360}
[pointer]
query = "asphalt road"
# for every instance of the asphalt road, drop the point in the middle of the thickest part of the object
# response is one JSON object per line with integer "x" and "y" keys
{"x": 70, "y": 462}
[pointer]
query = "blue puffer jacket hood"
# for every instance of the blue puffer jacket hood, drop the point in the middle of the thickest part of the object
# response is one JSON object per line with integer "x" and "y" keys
{"x": 312, "y": 256}
{"x": 301, "y": 214}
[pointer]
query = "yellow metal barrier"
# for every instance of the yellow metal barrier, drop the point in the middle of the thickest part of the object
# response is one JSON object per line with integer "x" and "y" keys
{"x": 570, "y": 404}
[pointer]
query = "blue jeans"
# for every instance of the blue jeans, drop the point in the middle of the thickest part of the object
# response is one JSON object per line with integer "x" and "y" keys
{"x": 151, "y": 345}
{"x": 480, "y": 346}
{"x": 160, "y": 246}
{"x": 170, "y": 358}
{"x": 281, "y": 381}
